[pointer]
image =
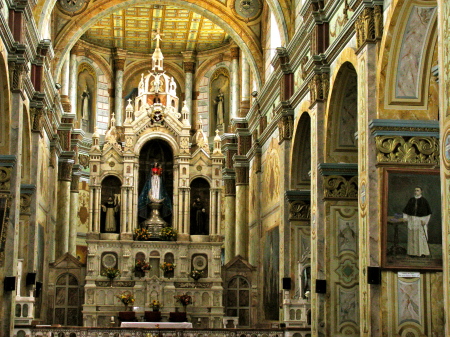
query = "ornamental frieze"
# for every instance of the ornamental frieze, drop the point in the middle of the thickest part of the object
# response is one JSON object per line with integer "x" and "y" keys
{"x": 198, "y": 285}
{"x": 299, "y": 210}
{"x": 369, "y": 26}
{"x": 413, "y": 150}
{"x": 340, "y": 187}
{"x": 115, "y": 283}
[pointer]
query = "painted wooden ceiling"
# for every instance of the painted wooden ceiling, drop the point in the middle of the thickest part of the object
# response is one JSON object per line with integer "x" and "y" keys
{"x": 132, "y": 29}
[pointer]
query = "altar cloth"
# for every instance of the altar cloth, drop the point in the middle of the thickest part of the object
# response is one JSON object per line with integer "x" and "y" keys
{"x": 160, "y": 325}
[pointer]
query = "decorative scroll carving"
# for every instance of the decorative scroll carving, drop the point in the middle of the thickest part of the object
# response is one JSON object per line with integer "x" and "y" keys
{"x": 201, "y": 285}
{"x": 319, "y": 87}
{"x": 369, "y": 26}
{"x": 115, "y": 283}
{"x": 341, "y": 188}
{"x": 25, "y": 202}
{"x": 286, "y": 127}
{"x": 299, "y": 210}
{"x": 5, "y": 178}
{"x": 65, "y": 170}
{"x": 37, "y": 115}
{"x": 416, "y": 150}
{"x": 230, "y": 187}
{"x": 83, "y": 160}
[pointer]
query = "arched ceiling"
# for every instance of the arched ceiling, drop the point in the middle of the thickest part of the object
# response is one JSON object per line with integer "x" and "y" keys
{"x": 132, "y": 29}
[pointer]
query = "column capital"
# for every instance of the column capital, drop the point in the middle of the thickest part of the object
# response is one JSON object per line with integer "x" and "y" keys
{"x": 189, "y": 67}
{"x": 65, "y": 169}
{"x": 234, "y": 52}
{"x": 189, "y": 56}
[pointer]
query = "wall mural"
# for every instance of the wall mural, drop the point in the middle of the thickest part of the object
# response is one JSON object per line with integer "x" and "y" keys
{"x": 271, "y": 274}
{"x": 409, "y": 301}
{"x": 413, "y": 46}
{"x": 271, "y": 175}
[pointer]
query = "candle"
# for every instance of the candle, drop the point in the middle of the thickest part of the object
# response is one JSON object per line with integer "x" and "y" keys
{"x": 112, "y": 318}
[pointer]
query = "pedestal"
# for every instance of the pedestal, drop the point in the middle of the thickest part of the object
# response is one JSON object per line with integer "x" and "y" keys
{"x": 155, "y": 223}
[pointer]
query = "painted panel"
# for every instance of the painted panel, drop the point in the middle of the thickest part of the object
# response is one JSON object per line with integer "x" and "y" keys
{"x": 271, "y": 274}
{"x": 409, "y": 301}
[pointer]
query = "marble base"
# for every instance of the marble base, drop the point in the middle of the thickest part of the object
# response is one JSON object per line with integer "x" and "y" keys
{"x": 200, "y": 238}
{"x": 126, "y": 236}
{"x": 109, "y": 236}
{"x": 92, "y": 236}
{"x": 183, "y": 237}
{"x": 216, "y": 238}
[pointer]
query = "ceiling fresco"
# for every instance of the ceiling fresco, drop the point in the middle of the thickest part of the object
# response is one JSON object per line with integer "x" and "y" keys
{"x": 132, "y": 29}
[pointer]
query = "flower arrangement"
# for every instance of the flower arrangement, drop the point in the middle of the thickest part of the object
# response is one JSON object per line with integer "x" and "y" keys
{"x": 196, "y": 274}
{"x": 184, "y": 299}
{"x": 141, "y": 265}
{"x": 168, "y": 233}
{"x": 126, "y": 298}
{"x": 110, "y": 273}
{"x": 167, "y": 266}
{"x": 156, "y": 305}
{"x": 142, "y": 234}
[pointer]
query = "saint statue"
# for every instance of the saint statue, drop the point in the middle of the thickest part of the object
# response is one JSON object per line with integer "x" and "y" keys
{"x": 219, "y": 112}
{"x": 111, "y": 207}
{"x": 155, "y": 191}
{"x": 85, "y": 96}
{"x": 199, "y": 227}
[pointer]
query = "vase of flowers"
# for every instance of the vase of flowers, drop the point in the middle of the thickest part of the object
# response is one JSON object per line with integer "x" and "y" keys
{"x": 168, "y": 268}
{"x": 184, "y": 300}
{"x": 141, "y": 234}
{"x": 196, "y": 274}
{"x": 168, "y": 234}
{"x": 110, "y": 273}
{"x": 126, "y": 298}
{"x": 156, "y": 305}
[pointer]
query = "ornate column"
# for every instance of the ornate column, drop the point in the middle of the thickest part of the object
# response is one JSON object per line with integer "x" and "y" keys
{"x": 234, "y": 51}
{"x": 73, "y": 70}
{"x": 66, "y": 77}
{"x": 63, "y": 205}
{"x": 229, "y": 148}
{"x": 319, "y": 94}
{"x": 74, "y": 205}
{"x": 444, "y": 120}
{"x": 119, "y": 66}
{"x": 368, "y": 181}
{"x": 189, "y": 60}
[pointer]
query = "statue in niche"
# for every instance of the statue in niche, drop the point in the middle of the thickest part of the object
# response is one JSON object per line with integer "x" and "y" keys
{"x": 155, "y": 190}
{"x": 111, "y": 207}
{"x": 85, "y": 97}
{"x": 172, "y": 87}
{"x": 199, "y": 227}
{"x": 219, "y": 110}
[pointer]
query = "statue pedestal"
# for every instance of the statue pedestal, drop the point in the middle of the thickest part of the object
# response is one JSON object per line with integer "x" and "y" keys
{"x": 155, "y": 223}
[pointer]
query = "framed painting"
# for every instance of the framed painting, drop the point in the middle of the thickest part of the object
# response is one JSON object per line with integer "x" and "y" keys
{"x": 412, "y": 226}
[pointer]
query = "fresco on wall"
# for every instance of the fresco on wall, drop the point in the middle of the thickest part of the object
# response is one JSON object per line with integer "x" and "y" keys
{"x": 409, "y": 300}
{"x": 83, "y": 210}
{"x": 348, "y": 111}
{"x": 254, "y": 189}
{"x": 271, "y": 175}
{"x": 271, "y": 274}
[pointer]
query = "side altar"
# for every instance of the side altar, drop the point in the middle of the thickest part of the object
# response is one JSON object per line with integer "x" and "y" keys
{"x": 149, "y": 176}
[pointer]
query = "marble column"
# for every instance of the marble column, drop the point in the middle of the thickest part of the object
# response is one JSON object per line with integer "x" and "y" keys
{"x": 245, "y": 87}
{"x": 65, "y": 77}
{"x": 119, "y": 65}
{"x": 444, "y": 126}
{"x": 235, "y": 100}
{"x": 74, "y": 206}
{"x": 73, "y": 80}
{"x": 230, "y": 217}
{"x": 11, "y": 242}
{"x": 242, "y": 209}
{"x": 189, "y": 60}
{"x": 318, "y": 249}
{"x": 63, "y": 206}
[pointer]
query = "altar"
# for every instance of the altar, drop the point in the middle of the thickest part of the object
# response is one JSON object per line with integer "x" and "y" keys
{"x": 157, "y": 325}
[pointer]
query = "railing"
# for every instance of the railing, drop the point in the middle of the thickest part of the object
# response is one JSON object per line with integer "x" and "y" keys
{"x": 136, "y": 332}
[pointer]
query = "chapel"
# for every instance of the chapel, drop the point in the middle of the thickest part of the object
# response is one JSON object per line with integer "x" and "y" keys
{"x": 252, "y": 168}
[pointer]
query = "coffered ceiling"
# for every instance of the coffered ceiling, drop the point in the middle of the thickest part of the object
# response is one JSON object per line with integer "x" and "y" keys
{"x": 131, "y": 29}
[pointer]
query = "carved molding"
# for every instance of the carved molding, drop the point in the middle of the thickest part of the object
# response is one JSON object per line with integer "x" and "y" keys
{"x": 189, "y": 67}
{"x": 286, "y": 127}
{"x": 340, "y": 187}
{"x": 415, "y": 150}
{"x": 16, "y": 73}
{"x": 234, "y": 52}
{"x": 319, "y": 87}
{"x": 83, "y": 160}
{"x": 37, "y": 115}
{"x": 230, "y": 187}
{"x": 242, "y": 176}
{"x": 65, "y": 170}
{"x": 299, "y": 210}
{"x": 5, "y": 178}
{"x": 25, "y": 203}
{"x": 369, "y": 26}
{"x": 198, "y": 285}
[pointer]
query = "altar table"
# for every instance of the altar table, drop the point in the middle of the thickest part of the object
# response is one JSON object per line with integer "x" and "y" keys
{"x": 157, "y": 325}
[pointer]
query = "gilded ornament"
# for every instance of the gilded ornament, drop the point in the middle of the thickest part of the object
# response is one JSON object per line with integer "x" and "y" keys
{"x": 339, "y": 187}
{"x": 415, "y": 150}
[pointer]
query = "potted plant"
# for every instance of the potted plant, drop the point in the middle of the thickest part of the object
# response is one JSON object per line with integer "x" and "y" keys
{"x": 126, "y": 298}
{"x": 184, "y": 300}
{"x": 168, "y": 268}
{"x": 142, "y": 234}
{"x": 141, "y": 265}
{"x": 110, "y": 273}
{"x": 156, "y": 305}
{"x": 168, "y": 234}
{"x": 196, "y": 274}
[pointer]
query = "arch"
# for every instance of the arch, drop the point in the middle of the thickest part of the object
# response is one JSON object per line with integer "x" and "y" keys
{"x": 301, "y": 154}
{"x": 217, "y": 13}
{"x": 396, "y": 50}
{"x": 341, "y": 117}
{"x": 157, "y": 135}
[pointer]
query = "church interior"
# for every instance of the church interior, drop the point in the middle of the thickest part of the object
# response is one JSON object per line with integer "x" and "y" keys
{"x": 260, "y": 168}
